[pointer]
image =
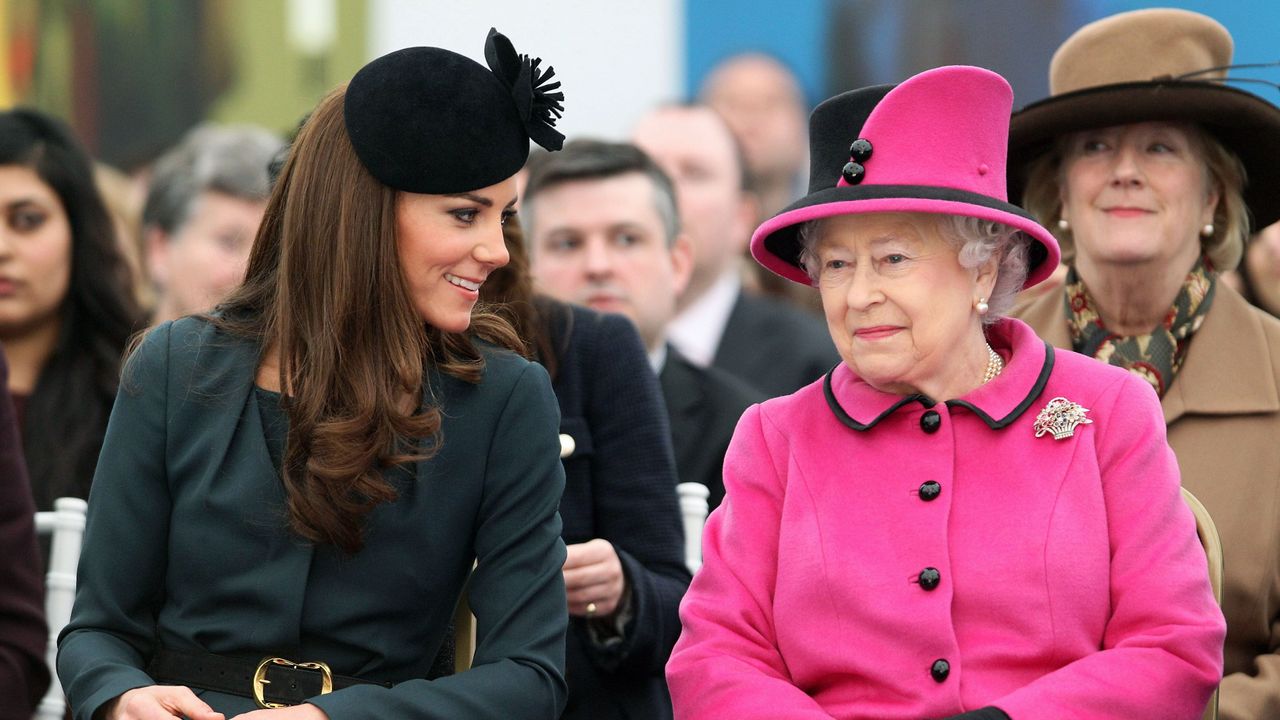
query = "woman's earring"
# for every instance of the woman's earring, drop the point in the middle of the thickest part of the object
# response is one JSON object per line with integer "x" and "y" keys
{"x": 1207, "y": 230}
{"x": 981, "y": 306}
{"x": 1063, "y": 225}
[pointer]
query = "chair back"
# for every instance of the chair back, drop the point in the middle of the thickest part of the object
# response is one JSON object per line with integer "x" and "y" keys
{"x": 65, "y": 523}
{"x": 1208, "y": 533}
{"x": 693, "y": 511}
{"x": 464, "y": 634}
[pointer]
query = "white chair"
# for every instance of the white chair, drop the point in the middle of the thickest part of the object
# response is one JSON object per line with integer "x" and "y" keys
{"x": 693, "y": 510}
{"x": 1208, "y": 533}
{"x": 66, "y": 524}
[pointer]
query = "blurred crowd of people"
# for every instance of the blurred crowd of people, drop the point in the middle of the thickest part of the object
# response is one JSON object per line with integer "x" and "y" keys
{"x": 627, "y": 273}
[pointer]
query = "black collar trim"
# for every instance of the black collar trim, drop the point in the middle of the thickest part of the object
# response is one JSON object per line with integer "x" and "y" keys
{"x": 848, "y": 420}
{"x": 1036, "y": 390}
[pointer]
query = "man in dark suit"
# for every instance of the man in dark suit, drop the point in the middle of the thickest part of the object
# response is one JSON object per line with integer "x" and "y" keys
{"x": 604, "y": 232}
{"x": 774, "y": 346}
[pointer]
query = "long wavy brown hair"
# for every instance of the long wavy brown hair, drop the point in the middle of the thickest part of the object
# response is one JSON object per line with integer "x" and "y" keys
{"x": 325, "y": 291}
{"x": 508, "y": 292}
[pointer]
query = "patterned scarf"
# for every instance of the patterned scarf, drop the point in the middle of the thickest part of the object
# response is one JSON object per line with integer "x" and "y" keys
{"x": 1155, "y": 357}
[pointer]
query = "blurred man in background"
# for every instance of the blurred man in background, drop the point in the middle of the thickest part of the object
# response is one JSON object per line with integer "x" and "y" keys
{"x": 772, "y": 345}
{"x": 764, "y": 106}
{"x": 762, "y": 102}
{"x": 604, "y": 232}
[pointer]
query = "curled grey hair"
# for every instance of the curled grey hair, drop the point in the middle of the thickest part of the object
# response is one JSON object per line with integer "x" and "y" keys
{"x": 230, "y": 159}
{"x": 976, "y": 241}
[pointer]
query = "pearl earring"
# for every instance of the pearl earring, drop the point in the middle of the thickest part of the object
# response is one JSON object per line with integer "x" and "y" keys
{"x": 981, "y": 306}
{"x": 1063, "y": 225}
{"x": 1207, "y": 230}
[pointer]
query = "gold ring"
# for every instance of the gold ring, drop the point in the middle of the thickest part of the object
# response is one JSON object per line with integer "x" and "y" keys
{"x": 591, "y": 609}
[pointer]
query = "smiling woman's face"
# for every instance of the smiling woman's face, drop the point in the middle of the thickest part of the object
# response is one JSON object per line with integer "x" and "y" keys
{"x": 448, "y": 246}
{"x": 35, "y": 252}
{"x": 1137, "y": 194}
{"x": 899, "y": 305}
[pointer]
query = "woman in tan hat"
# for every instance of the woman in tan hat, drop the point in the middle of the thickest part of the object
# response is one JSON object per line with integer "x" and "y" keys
{"x": 1150, "y": 171}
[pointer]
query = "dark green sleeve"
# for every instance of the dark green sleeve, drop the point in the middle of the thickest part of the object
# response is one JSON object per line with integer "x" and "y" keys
{"x": 120, "y": 583}
{"x": 516, "y": 592}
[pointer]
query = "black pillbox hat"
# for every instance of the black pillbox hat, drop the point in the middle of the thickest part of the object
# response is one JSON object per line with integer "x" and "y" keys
{"x": 428, "y": 120}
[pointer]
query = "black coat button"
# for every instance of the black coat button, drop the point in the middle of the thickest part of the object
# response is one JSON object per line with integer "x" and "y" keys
{"x": 940, "y": 670}
{"x": 930, "y": 490}
{"x": 930, "y": 421}
{"x": 929, "y": 578}
{"x": 860, "y": 150}
{"x": 853, "y": 173}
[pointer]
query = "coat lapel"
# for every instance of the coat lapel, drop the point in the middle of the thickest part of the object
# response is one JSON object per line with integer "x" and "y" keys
{"x": 1228, "y": 369}
{"x": 686, "y": 405}
{"x": 210, "y": 379}
{"x": 738, "y": 330}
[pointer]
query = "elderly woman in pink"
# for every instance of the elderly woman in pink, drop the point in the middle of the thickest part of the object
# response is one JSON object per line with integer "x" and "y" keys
{"x": 958, "y": 520}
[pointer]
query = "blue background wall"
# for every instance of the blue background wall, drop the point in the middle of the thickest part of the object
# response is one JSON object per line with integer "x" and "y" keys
{"x": 1013, "y": 37}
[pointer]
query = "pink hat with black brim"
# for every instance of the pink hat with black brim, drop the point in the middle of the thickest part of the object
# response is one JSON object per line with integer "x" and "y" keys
{"x": 935, "y": 143}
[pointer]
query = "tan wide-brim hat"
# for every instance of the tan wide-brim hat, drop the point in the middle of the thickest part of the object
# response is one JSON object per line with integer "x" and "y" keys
{"x": 1145, "y": 66}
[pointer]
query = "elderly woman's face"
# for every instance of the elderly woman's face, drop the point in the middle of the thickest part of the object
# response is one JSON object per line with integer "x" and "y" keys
{"x": 1137, "y": 193}
{"x": 898, "y": 303}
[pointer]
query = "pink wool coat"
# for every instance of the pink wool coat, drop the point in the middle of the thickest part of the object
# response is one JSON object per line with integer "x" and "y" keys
{"x": 1067, "y": 578}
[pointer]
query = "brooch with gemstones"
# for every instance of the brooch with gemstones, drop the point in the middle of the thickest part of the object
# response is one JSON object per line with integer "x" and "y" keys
{"x": 1061, "y": 417}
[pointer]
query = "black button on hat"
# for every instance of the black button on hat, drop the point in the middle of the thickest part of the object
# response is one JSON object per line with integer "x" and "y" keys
{"x": 930, "y": 490}
{"x": 940, "y": 670}
{"x": 853, "y": 173}
{"x": 929, "y": 578}
{"x": 930, "y": 421}
{"x": 860, "y": 150}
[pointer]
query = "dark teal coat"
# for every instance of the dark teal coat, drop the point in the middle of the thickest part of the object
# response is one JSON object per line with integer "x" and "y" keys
{"x": 186, "y": 545}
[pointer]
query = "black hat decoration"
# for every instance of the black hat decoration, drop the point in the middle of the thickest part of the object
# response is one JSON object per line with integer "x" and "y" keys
{"x": 531, "y": 88}
{"x": 428, "y": 120}
{"x": 859, "y": 153}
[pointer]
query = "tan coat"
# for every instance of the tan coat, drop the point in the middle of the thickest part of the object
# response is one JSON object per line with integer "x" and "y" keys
{"x": 1223, "y": 415}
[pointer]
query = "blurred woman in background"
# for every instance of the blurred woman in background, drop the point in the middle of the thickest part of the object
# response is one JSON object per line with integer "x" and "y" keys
{"x": 66, "y": 302}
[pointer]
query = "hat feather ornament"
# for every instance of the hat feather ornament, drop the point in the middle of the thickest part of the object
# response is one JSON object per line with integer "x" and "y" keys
{"x": 537, "y": 98}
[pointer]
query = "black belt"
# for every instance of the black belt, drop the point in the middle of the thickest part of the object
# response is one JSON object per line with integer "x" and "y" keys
{"x": 270, "y": 681}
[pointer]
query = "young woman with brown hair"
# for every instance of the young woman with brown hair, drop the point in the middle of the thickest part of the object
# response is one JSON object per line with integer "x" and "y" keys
{"x": 295, "y": 489}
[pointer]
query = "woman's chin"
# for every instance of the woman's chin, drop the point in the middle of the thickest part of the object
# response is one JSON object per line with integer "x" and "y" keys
{"x": 450, "y": 325}
{"x": 881, "y": 376}
{"x": 1138, "y": 253}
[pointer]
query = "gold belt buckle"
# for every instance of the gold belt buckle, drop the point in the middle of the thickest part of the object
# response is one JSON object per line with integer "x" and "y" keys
{"x": 260, "y": 680}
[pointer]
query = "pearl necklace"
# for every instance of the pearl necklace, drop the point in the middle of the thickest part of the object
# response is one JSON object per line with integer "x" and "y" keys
{"x": 995, "y": 364}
